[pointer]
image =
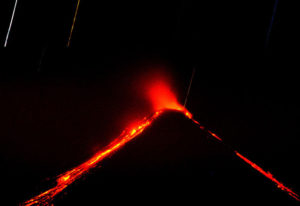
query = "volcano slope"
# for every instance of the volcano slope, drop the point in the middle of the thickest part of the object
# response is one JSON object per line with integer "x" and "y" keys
{"x": 172, "y": 161}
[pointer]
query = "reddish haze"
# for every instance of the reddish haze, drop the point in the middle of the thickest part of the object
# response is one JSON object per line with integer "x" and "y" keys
{"x": 161, "y": 96}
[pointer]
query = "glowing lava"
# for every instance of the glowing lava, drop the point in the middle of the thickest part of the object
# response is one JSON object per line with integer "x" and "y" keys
{"x": 163, "y": 99}
{"x": 252, "y": 164}
{"x": 69, "y": 177}
{"x": 269, "y": 176}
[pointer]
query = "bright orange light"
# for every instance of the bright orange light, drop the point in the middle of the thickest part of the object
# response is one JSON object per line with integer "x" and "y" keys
{"x": 133, "y": 131}
{"x": 214, "y": 135}
{"x": 189, "y": 115}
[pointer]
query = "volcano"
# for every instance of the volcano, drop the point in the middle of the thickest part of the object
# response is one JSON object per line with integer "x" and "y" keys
{"x": 168, "y": 158}
{"x": 171, "y": 162}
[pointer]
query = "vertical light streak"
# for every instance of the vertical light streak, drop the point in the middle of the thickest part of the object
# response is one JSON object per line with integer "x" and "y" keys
{"x": 10, "y": 24}
{"x": 189, "y": 88}
{"x": 271, "y": 24}
{"x": 73, "y": 24}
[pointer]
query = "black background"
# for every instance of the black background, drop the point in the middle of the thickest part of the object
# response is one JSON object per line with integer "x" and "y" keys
{"x": 60, "y": 105}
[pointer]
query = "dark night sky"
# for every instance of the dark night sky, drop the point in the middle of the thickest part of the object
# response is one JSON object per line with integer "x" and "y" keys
{"x": 58, "y": 114}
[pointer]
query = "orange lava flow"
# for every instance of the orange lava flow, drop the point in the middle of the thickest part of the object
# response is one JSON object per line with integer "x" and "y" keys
{"x": 206, "y": 130}
{"x": 255, "y": 166}
{"x": 162, "y": 99}
{"x": 70, "y": 176}
{"x": 269, "y": 176}
{"x": 67, "y": 178}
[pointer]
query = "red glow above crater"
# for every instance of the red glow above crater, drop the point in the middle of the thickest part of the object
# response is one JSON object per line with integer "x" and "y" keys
{"x": 162, "y": 97}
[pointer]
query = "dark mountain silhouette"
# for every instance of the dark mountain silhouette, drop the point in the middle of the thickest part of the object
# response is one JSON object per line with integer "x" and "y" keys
{"x": 173, "y": 162}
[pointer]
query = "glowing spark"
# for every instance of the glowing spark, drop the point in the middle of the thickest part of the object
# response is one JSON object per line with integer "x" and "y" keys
{"x": 73, "y": 24}
{"x": 214, "y": 135}
{"x": 10, "y": 24}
